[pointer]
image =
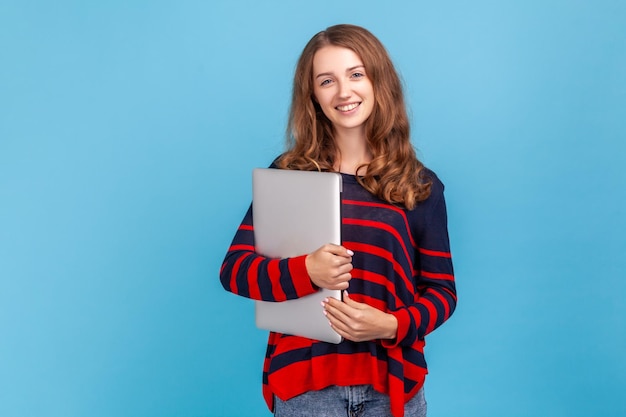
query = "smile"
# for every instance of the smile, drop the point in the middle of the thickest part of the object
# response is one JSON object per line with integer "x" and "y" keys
{"x": 348, "y": 107}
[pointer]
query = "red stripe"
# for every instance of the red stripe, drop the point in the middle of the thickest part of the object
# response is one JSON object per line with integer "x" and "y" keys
{"x": 246, "y": 227}
{"x": 386, "y": 207}
{"x": 377, "y": 279}
{"x": 434, "y": 275}
{"x": 241, "y": 247}
{"x": 415, "y": 312}
{"x": 432, "y": 313}
{"x": 253, "y": 280}
{"x": 446, "y": 306}
{"x": 382, "y": 226}
{"x": 450, "y": 293}
{"x": 288, "y": 343}
{"x": 370, "y": 301}
{"x": 435, "y": 253}
{"x": 388, "y": 256}
{"x": 273, "y": 271}
{"x": 235, "y": 272}
{"x": 302, "y": 284}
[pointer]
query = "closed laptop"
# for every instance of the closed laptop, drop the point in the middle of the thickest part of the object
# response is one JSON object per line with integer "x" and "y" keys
{"x": 295, "y": 213}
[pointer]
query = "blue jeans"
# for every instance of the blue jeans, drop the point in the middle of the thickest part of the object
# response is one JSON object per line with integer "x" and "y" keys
{"x": 354, "y": 401}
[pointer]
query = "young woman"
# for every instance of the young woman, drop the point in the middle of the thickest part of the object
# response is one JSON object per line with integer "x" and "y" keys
{"x": 348, "y": 115}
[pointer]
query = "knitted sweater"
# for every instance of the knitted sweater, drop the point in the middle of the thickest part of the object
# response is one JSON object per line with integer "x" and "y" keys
{"x": 402, "y": 265}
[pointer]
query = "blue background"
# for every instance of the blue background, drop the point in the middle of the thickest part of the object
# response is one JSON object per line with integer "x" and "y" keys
{"x": 128, "y": 130}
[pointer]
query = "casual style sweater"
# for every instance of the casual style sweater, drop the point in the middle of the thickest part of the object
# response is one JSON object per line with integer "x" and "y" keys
{"x": 401, "y": 265}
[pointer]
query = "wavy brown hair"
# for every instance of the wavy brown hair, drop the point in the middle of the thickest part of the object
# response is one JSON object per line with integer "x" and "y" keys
{"x": 394, "y": 174}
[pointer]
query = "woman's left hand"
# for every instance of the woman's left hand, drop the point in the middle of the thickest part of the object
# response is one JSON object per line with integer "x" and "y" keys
{"x": 359, "y": 322}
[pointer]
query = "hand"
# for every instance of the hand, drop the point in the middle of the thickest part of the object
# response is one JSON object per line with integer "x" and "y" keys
{"x": 359, "y": 322}
{"x": 329, "y": 267}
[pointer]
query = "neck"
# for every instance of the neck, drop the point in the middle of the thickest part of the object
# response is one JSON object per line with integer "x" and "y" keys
{"x": 353, "y": 151}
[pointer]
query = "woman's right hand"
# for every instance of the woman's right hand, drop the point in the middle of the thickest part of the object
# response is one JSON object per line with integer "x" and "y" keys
{"x": 329, "y": 267}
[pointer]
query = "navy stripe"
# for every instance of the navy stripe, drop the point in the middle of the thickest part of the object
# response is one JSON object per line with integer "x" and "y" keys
{"x": 266, "y": 290}
{"x": 415, "y": 357}
{"x": 293, "y": 356}
{"x": 286, "y": 282}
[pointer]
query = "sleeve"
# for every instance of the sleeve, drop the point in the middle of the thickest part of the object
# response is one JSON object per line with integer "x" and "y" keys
{"x": 246, "y": 273}
{"x": 435, "y": 298}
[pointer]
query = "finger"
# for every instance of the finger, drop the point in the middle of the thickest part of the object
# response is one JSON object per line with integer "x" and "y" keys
{"x": 338, "y": 310}
{"x": 341, "y": 264}
{"x": 342, "y": 279}
{"x": 340, "y": 328}
{"x": 339, "y": 285}
{"x": 344, "y": 327}
{"x": 345, "y": 268}
{"x": 337, "y": 322}
{"x": 338, "y": 250}
{"x": 350, "y": 302}
{"x": 333, "y": 303}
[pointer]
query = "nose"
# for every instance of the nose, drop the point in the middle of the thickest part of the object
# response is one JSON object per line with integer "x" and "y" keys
{"x": 344, "y": 89}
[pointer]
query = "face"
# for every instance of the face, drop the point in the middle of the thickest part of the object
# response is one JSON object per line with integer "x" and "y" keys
{"x": 342, "y": 89}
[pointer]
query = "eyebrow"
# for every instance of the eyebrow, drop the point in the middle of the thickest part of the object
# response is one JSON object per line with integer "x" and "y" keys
{"x": 324, "y": 74}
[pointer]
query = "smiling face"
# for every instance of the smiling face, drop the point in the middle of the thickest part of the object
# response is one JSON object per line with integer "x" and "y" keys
{"x": 342, "y": 89}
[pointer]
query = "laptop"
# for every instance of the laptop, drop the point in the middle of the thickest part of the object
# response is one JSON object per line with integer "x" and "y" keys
{"x": 295, "y": 213}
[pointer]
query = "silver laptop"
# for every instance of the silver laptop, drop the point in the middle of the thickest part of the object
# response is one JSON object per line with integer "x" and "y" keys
{"x": 294, "y": 213}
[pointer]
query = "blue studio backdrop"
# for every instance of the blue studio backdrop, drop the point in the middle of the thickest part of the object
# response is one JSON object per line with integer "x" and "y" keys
{"x": 128, "y": 132}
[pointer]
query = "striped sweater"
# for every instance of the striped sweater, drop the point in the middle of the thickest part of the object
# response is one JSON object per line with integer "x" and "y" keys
{"x": 402, "y": 265}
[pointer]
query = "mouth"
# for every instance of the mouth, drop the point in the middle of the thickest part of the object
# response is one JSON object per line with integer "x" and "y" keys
{"x": 348, "y": 107}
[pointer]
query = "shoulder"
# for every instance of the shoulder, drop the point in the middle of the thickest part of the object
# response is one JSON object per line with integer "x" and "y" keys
{"x": 435, "y": 200}
{"x": 429, "y": 214}
{"x": 274, "y": 163}
{"x": 437, "y": 187}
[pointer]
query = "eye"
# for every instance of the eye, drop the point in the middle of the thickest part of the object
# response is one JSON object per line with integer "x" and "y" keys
{"x": 358, "y": 75}
{"x": 325, "y": 82}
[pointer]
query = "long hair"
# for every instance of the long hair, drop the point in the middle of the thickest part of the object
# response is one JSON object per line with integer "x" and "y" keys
{"x": 394, "y": 174}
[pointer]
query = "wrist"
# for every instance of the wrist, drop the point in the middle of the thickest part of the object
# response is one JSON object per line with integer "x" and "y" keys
{"x": 392, "y": 327}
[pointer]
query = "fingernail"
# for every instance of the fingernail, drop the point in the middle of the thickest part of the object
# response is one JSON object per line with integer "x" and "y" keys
{"x": 350, "y": 252}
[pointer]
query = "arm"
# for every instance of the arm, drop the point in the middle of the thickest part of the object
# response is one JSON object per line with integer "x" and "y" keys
{"x": 246, "y": 273}
{"x": 436, "y": 298}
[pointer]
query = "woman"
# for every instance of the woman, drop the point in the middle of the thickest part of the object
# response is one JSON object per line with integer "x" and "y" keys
{"x": 348, "y": 115}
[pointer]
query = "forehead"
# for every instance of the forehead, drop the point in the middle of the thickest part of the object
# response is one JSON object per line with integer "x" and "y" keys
{"x": 334, "y": 59}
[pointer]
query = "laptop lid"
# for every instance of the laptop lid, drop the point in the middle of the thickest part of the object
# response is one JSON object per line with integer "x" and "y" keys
{"x": 295, "y": 213}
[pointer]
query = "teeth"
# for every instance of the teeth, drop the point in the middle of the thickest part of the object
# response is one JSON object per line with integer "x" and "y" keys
{"x": 348, "y": 107}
